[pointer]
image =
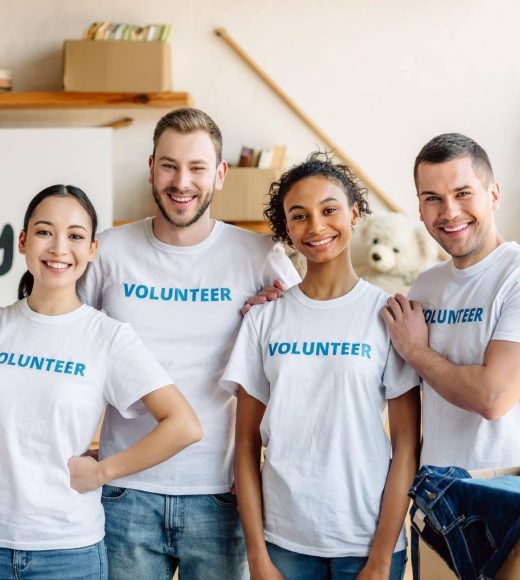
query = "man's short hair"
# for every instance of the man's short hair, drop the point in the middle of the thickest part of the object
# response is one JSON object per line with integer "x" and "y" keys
{"x": 186, "y": 121}
{"x": 454, "y": 146}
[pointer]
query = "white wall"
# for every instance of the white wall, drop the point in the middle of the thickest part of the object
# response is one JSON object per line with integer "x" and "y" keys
{"x": 381, "y": 77}
{"x": 80, "y": 157}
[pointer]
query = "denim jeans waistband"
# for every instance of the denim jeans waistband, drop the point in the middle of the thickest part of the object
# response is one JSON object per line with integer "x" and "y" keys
{"x": 473, "y": 527}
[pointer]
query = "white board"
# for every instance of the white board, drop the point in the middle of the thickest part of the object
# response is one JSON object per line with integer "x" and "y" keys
{"x": 32, "y": 159}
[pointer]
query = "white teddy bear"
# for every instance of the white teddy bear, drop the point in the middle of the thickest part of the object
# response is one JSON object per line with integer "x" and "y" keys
{"x": 392, "y": 249}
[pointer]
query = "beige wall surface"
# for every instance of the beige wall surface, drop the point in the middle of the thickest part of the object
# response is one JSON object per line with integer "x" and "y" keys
{"x": 380, "y": 77}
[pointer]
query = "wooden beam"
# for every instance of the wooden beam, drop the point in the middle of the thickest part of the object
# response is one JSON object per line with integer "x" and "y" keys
{"x": 308, "y": 121}
{"x": 118, "y": 123}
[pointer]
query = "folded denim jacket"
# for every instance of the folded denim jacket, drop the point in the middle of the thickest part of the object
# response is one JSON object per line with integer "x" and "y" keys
{"x": 471, "y": 523}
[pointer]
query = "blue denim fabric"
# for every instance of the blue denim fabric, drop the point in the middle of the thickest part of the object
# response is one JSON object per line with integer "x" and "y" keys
{"x": 89, "y": 563}
{"x": 471, "y": 523}
{"x": 150, "y": 535}
{"x": 295, "y": 566}
{"x": 414, "y": 552}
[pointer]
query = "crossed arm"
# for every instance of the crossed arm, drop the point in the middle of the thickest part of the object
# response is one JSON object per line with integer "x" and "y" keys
{"x": 490, "y": 389}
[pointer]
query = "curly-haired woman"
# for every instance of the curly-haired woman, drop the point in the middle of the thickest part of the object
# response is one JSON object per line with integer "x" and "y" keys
{"x": 314, "y": 373}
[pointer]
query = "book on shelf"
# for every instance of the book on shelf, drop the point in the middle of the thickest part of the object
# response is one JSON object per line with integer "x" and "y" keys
{"x": 123, "y": 31}
{"x": 273, "y": 158}
{"x": 266, "y": 159}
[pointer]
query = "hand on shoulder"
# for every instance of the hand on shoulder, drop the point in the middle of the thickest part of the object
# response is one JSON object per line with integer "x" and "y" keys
{"x": 267, "y": 293}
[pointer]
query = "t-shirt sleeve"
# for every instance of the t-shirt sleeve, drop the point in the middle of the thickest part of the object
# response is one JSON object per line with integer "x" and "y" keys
{"x": 245, "y": 366}
{"x": 507, "y": 327}
{"x": 278, "y": 266}
{"x": 415, "y": 290}
{"x": 89, "y": 286}
{"x": 398, "y": 377}
{"x": 132, "y": 373}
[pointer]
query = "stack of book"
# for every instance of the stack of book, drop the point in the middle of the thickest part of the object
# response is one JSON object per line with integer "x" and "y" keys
{"x": 6, "y": 83}
{"x": 263, "y": 158}
{"x": 121, "y": 31}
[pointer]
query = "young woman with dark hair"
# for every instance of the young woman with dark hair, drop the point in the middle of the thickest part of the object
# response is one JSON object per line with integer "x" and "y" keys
{"x": 60, "y": 363}
{"x": 314, "y": 372}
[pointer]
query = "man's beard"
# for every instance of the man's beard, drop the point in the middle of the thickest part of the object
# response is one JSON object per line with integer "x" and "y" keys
{"x": 171, "y": 219}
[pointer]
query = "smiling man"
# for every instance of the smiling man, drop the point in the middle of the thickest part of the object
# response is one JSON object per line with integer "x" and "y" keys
{"x": 181, "y": 279}
{"x": 466, "y": 343}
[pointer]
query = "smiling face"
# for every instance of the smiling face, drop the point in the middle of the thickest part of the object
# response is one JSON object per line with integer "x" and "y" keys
{"x": 184, "y": 175}
{"x": 319, "y": 219}
{"x": 457, "y": 205}
{"x": 58, "y": 243}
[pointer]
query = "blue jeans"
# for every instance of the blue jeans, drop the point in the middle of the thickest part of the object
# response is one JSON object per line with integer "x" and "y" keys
{"x": 295, "y": 566}
{"x": 414, "y": 552}
{"x": 471, "y": 523}
{"x": 150, "y": 535}
{"x": 89, "y": 563}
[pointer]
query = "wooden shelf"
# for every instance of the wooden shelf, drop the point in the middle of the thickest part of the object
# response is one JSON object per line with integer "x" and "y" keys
{"x": 72, "y": 100}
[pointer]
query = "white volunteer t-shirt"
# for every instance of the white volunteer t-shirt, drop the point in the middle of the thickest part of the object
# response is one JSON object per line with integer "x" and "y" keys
{"x": 184, "y": 302}
{"x": 57, "y": 373}
{"x": 465, "y": 310}
{"x": 324, "y": 370}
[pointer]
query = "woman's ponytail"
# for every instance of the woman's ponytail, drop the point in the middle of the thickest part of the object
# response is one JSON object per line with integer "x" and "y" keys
{"x": 26, "y": 285}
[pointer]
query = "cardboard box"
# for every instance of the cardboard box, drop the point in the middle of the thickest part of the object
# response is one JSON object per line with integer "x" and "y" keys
{"x": 116, "y": 66}
{"x": 244, "y": 194}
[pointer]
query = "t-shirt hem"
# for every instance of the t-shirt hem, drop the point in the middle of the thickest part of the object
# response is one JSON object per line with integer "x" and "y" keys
{"x": 231, "y": 386}
{"x": 347, "y": 551}
{"x": 70, "y": 544}
{"x": 394, "y": 393}
{"x": 169, "y": 490}
{"x": 259, "y": 396}
{"x": 505, "y": 336}
{"x": 474, "y": 466}
{"x": 126, "y": 410}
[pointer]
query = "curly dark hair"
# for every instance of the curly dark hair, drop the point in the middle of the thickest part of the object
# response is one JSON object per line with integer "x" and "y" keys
{"x": 317, "y": 164}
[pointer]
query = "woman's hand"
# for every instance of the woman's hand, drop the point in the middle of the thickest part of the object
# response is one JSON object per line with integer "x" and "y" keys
{"x": 85, "y": 474}
{"x": 372, "y": 571}
{"x": 264, "y": 570}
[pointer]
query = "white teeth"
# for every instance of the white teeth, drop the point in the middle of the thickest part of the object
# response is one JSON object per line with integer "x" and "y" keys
{"x": 320, "y": 243}
{"x": 181, "y": 199}
{"x": 57, "y": 265}
{"x": 455, "y": 228}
